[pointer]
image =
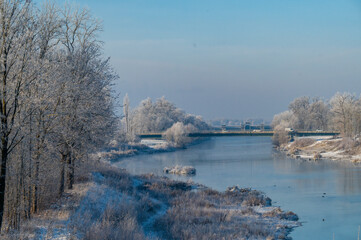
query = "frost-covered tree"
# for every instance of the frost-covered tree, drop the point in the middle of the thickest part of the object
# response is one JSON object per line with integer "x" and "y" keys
{"x": 344, "y": 108}
{"x": 305, "y": 114}
{"x": 280, "y": 136}
{"x": 126, "y": 109}
{"x": 342, "y": 113}
{"x": 56, "y": 103}
{"x": 17, "y": 44}
{"x": 319, "y": 115}
{"x": 178, "y": 134}
{"x": 300, "y": 109}
{"x": 285, "y": 119}
{"x": 160, "y": 116}
{"x": 86, "y": 109}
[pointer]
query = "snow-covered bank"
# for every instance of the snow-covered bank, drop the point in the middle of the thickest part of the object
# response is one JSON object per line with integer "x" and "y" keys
{"x": 167, "y": 209}
{"x": 117, "y": 205}
{"x": 148, "y": 146}
{"x": 318, "y": 147}
{"x": 155, "y": 143}
{"x": 145, "y": 146}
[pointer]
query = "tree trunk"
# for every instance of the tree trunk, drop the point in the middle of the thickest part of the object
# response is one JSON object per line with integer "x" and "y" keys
{"x": 28, "y": 189}
{"x": 35, "y": 188}
{"x": 71, "y": 171}
{"x": 4, "y": 158}
{"x": 25, "y": 195}
{"x": 62, "y": 174}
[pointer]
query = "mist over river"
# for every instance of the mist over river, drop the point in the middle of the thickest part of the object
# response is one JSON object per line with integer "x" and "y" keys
{"x": 326, "y": 195}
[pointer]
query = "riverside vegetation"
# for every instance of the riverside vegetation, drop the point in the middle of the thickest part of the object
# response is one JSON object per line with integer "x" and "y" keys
{"x": 342, "y": 113}
{"x": 113, "y": 204}
{"x": 56, "y": 104}
{"x": 57, "y": 113}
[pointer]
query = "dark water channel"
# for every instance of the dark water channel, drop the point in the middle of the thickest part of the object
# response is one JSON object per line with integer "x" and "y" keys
{"x": 326, "y": 195}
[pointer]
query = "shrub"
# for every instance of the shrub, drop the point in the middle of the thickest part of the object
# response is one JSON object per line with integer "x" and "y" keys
{"x": 280, "y": 136}
{"x": 178, "y": 134}
{"x": 303, "y": 142}
{"x": 179, "y": 170}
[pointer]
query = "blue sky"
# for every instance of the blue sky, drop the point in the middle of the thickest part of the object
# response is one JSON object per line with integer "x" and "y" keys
{"x": 232, "y": 58}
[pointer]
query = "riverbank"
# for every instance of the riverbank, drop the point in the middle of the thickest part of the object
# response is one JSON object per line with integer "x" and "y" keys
{"x": 145, "y": 146}
{"x": 149, "y": 146}
{"x": 317, "y": 148}
{"x": 113, "y": 204}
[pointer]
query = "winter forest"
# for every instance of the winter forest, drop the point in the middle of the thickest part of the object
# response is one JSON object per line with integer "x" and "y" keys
{"x": 56, "y": 103}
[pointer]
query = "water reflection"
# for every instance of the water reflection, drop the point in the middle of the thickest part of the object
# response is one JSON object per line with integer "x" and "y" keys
{"x": 345, "y": 176}
{"x": 351, "y": 179}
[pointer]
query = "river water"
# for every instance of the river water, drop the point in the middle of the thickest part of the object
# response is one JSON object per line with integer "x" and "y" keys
{"x": 326, "y": 195}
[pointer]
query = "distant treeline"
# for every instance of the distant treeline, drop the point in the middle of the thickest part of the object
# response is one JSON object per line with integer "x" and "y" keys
{"x": 159, "y": 116}
{"x": 341, "y": 113}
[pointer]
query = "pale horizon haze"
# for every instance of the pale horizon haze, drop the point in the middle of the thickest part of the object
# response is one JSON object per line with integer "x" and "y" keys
{"x": 231, "y": 59}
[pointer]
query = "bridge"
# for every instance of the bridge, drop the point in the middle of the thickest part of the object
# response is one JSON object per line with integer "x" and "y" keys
{"x": 245, "y": 133}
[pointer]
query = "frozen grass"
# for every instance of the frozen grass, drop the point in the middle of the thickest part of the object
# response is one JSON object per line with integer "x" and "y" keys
{"x": 117, "y": 205}
{"x": 152, "y": 207}
{"x": 52, "y": 223}
{"x": 128, "y": 150}
{"x": 345, "y": 148}
{"x": 179, "y": 170}
{"x": 303, "y": 142}
{"x": 209, "y": 214}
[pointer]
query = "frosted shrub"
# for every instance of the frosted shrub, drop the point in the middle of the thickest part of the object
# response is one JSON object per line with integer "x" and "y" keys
{"x": 280, "y": 136}
{"x": 186, "y": 170}
{"x": 178, "y": 134}
{"x": 159, "y": 116}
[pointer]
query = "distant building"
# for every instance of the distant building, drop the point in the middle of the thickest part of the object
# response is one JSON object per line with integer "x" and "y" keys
{"x": 247, "y": 125}
{"x": 223, "y": 128}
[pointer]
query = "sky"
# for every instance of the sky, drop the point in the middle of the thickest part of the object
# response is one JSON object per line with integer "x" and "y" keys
{"x": 232, "y": 59}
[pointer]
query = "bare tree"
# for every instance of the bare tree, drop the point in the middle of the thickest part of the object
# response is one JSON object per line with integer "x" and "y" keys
{"x": 300, "y": 109}
{"x": 319, "y": 114}
{"x": 56, "y": 102}
{"x": 126, "y": 112}
{"x": 16, "y": 47}
{"x": 343, "y": 109}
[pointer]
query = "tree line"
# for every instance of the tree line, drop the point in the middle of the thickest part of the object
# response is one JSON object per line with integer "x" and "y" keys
{"x": 160, "y": 116}
{"x": 341, "y": 113}
{"x": 56, "y": 103}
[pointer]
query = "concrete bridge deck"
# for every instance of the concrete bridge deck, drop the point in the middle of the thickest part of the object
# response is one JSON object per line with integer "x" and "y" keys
{"x": 245, "y": 133}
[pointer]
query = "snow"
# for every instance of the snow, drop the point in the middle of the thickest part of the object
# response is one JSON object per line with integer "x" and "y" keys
{"x": 317, "y": 138}
{"x": 148, "y": 224}
{"x": 154, "y": 143}
{"x": 325, "y": 146}
{"x": 186, "y": 170}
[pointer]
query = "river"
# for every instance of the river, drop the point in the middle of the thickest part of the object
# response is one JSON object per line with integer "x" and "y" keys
{"x": 326, "y": 195}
